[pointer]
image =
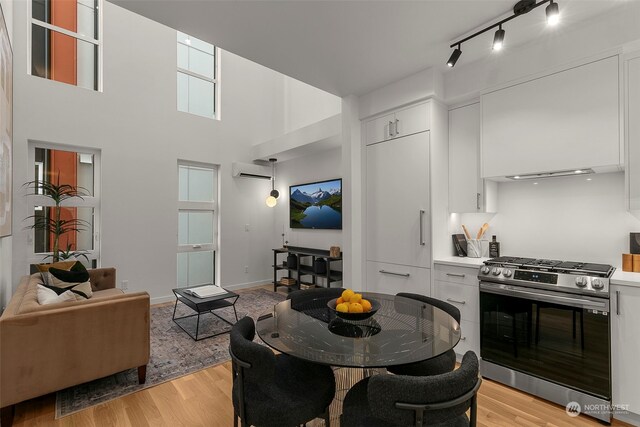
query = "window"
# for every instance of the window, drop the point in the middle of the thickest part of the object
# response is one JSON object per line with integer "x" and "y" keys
{"x": 197, "y": 76}
{"x": 79, "y": 169}
{"x": 65, "y": 41}
{"x": 197, "y": 230}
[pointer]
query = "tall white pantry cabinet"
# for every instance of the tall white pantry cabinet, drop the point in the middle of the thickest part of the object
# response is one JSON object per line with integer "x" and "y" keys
{"x": 398, "y": 236}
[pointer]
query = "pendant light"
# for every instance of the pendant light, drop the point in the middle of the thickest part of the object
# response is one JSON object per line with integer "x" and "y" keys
{"x": 271, "y": 200}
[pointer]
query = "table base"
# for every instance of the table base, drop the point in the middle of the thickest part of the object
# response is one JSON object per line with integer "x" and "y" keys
{"x": 197, "y": 314}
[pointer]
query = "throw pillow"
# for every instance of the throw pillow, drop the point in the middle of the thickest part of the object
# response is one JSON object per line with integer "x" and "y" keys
{"x": 81, "y": 290}
{"x": 77, "y": 274}
{"x": 62, "y": 265}
{"x": 49, "y": 296}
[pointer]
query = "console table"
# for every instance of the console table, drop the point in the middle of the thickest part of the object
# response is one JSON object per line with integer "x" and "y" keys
{"x": 305, "y": 270}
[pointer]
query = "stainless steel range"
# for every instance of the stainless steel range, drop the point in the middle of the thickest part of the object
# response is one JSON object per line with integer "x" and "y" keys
{"x": 544, "y": 327}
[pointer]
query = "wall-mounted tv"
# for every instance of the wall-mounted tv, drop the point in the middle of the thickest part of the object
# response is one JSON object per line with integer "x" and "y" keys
{"x": 317, "y": 205}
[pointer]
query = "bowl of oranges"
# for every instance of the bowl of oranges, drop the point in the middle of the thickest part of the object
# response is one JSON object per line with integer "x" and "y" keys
{"x": 352, "y": 306}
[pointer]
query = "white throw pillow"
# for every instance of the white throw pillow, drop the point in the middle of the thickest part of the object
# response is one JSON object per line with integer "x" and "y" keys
{"x": 48, "y": 296}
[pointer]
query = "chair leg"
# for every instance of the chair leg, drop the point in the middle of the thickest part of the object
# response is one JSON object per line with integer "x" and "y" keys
{"x": 327, "y": 418}
{"x": 235, "y": 419}
{"x": 473, "y": 416}
{"x": 142, "y": 374}
{"x": 6, "y": 415}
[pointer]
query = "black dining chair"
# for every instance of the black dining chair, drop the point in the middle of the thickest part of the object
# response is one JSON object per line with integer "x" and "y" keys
{"x": 399, "y": 400}
{"x": 441, "y": 364}
{"x": 275, "y": 390}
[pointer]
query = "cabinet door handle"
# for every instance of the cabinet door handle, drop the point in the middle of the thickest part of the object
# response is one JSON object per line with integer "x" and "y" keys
{"x": 395, "y": 128}
{"x": 618, "y": 303}
{"x": 422, "y": 243}
{"x": 455, "y": 275}
{"x": 478, "y": 201}
{"x": 393, "y": 273}
{"x": 456, "y": 302}
{"x": 390, "y": 132}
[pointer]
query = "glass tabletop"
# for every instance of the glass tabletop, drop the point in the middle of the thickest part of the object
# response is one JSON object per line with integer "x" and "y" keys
{"x": 403, "y": 330}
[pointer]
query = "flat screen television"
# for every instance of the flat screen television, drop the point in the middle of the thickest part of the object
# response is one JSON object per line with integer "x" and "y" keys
{"x": 317, "y": 205}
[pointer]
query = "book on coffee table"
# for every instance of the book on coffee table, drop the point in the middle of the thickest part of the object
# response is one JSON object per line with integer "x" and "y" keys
{"x": 205, "y": 291}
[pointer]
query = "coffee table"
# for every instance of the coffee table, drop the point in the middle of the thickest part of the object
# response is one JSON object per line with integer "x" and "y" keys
{"x": 204, "y": 306}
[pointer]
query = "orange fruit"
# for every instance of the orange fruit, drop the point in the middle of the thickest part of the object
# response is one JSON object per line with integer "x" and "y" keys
{"x": 342, "y": 308}
{"x": 366, "y": 305}
{"x": 347, "y": 294}
{"x": 339, "y": 301}
{"x": 355, "y": 308}
{"x": 356, "y": 298}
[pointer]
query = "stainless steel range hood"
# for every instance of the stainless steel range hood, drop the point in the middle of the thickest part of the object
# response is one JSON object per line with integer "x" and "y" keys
{"x": 571, "y": 172}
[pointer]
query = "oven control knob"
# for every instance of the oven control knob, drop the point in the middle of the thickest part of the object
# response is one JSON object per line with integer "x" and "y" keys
{"x": 581, "y": 281}
{"x": 597, "y": 284}
{"x": 496, "y": 271}
{"x": 485, "y": 270}
{"x": 506, "y": 272}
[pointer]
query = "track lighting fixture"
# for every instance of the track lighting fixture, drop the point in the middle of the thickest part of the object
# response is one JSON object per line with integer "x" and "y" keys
{"x": 553, "y": 13}
{"x": 454, "y": 57}
{"x": 521, "y": 7}
{"x": 271, "y": 200}
{"x": 498, "y": 39}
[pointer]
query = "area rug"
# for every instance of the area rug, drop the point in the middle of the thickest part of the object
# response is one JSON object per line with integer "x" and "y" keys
{"x": 173, "y": 352}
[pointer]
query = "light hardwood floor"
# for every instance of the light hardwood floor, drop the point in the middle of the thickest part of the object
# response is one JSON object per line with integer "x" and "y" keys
{"x": 204, "y": 399}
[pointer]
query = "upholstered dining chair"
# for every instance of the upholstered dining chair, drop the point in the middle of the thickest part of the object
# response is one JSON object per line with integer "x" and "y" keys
{"x": 400, "y": 400}
{"x": 441, "y": 364}
{"x": 275, "y": 390}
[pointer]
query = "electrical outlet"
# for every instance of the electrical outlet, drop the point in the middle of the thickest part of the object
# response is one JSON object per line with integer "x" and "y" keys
{"x": 246, "y": 227}
{"x": 124, "y": 285}
{"x": 246, "y": 268}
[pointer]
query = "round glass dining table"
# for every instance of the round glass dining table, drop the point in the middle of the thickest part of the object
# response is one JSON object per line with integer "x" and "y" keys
{"x": 403, "y": 330}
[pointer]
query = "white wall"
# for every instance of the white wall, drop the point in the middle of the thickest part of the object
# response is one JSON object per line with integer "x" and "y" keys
{"x": 317, "y": 167}
{"x": 141, "y": 136}
{"x": 6, "y": 246}
{"x": 566, "y": 218}
{"x": 305, "y": 104}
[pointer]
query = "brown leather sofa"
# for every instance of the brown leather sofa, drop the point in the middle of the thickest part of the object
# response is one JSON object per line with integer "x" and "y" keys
{"x": 45, "y": 348}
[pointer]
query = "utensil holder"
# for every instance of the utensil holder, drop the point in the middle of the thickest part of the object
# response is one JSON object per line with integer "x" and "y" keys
{"x": 474, "y": 248}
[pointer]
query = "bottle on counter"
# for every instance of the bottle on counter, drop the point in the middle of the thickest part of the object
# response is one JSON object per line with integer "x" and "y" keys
{"x": 494, "y": 248}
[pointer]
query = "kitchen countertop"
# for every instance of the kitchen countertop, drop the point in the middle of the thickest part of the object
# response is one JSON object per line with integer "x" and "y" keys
{"x": 461, "y": 261}
{"x": 625, "y": 278}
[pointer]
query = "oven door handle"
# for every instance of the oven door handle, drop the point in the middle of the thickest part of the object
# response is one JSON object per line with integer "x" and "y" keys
{"x": 560, "y": 299}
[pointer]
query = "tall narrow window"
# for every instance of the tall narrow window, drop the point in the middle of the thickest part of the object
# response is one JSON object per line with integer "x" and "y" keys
{"x": 197, "y": 76}
{"x": 197, "y": 231}
{"x": 79, "y": 169}
{"x": 65, "y": 41}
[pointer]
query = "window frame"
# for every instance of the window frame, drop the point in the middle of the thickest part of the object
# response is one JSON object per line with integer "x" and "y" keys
{"x": 96, "y": 42}
{"x": 86, "y": 201}
{"x": 192, "y": 206}
{"x": 215, "y": 81}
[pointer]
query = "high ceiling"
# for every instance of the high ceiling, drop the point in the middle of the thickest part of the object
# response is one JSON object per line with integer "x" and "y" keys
{"x": 352, "y": 47}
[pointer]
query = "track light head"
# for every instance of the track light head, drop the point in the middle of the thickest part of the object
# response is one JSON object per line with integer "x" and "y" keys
{"x": 553, "y": 13}
{"x": 498, "y": 39}
{"x": 455, "y": 55}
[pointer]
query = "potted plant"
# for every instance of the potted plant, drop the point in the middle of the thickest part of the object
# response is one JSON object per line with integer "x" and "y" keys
{"x": 54, "y": 223}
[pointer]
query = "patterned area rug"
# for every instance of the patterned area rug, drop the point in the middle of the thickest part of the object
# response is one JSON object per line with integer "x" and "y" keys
{"x": 173, "y": 352}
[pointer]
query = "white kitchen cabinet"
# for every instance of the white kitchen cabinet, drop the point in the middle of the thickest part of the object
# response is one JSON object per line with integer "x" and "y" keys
{"x": 633, "y": 130}
{"x": 391, "y": 279}
{"x": 404, "y": 122}
{"x": 468, "y": 192}
{"x": 459, "y": 287}
{"x": 625, "y": 346}
{"x": 397, "y": 201}
{"x": 563, "y": 121}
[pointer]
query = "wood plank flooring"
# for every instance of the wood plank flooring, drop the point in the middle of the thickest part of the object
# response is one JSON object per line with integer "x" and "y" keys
{"x": 204, "y": 399}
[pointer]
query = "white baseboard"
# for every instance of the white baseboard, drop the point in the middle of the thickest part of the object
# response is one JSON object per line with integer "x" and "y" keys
{"x": 171, "y": 298}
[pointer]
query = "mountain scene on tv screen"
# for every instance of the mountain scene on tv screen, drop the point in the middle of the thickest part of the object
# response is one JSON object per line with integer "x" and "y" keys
{"x": 317, "y": 205}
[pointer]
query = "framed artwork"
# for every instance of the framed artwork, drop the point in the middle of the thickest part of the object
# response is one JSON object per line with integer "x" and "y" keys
{"x": 6, "y": 128}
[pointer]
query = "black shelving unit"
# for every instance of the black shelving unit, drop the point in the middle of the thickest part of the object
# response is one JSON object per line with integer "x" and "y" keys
{"x": 301, "y": 270}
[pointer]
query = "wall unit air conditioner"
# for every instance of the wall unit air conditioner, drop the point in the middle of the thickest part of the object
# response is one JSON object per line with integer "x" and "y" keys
{"x": 249, "y": 170}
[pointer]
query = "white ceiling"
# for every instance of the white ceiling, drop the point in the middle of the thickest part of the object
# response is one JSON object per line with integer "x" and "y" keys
{"x": 352, "y": 47}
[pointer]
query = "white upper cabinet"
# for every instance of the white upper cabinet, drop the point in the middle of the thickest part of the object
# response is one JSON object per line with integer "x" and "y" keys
{"x": 468, "y": 192}
{"x": 401, "y": 123}
{"x": 633, "y": 130}
{"x": 566, "y": 120}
